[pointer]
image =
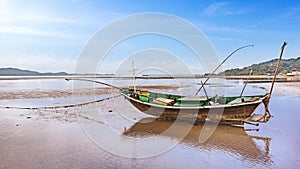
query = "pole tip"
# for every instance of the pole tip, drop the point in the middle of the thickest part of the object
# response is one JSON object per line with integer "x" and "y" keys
{"x": 284, "y": 44}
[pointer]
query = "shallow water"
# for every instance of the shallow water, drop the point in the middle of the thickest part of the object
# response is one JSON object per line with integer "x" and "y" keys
{"x": 46, "y": 141}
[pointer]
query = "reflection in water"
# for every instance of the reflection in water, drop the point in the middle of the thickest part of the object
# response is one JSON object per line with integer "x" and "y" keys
{"x": 225, "y": 138}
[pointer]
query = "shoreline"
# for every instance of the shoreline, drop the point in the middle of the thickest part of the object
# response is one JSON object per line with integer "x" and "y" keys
{"x": 234, "y": 77}
{"x": 283, "y": 88}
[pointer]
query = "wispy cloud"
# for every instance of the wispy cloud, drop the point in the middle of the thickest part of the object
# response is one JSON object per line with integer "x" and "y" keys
{"x": 35, "y": 18}
{"x": 223, "y": 8}
{"x": 214, "y": 8}
{"x": 31, "y": 31}
{"x": 33, "y": 24}
{"x": 225, "y": 39}
{"x": 279, "y": 19}
{"x": 292, "y": 12}
{"x": 28, "y": 31}
{"x": 30, "y": 18}
{"x": 11, "y": 11}
{"x": 43, "y": 63}
{"x": 226, "y": 29}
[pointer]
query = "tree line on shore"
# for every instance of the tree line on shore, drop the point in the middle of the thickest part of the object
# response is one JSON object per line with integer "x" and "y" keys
{"x": 266, "y": 68}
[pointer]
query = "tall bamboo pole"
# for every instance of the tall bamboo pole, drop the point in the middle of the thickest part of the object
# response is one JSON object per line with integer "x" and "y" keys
{"x": 277, "y": 67}
{"x": 246, "y": 82}
{"x": 267, "y": 100}
{"x": 220, "y": 66}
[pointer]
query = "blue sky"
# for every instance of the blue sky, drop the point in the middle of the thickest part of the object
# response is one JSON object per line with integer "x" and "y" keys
{"x": 49, "y": 35}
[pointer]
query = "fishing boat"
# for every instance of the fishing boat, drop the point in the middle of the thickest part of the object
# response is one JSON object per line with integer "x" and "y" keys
{"x": 220, "y": 109}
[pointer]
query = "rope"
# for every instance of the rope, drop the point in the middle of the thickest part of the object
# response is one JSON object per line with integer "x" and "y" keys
{"x": 57, "y": 107}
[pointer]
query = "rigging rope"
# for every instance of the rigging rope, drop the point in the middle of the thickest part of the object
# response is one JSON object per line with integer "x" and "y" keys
{"x": 57, "y": 107}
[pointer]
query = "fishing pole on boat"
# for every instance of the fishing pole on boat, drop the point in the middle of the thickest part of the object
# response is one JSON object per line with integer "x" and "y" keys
{"x": 267, "y": 100}
{"x": 133, "y": 77}
{"x": 246, "y": 82}
{"x": 277, "y": 67}
{"x": 94, "y": 81}
{"x": 205, "y": 91}
{"x": 221, "y": 65}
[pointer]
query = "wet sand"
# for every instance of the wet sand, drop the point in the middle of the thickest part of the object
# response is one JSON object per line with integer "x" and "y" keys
{"x": 6, "y": 95}
{"x": 284, "y": 88}
{"x": 55, "y": 138}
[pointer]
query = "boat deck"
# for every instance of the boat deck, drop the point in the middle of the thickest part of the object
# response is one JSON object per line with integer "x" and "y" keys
{"x": 187, "y": 101}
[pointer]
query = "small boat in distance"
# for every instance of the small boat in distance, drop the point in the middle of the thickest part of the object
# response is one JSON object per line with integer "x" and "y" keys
{"x": 220, "y": 109}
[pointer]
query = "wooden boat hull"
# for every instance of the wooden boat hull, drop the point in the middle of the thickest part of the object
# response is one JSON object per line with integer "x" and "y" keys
{"x": 233, "y": 114}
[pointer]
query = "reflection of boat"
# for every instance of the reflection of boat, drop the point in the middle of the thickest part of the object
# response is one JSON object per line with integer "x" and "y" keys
{"x": 225, "y": 138}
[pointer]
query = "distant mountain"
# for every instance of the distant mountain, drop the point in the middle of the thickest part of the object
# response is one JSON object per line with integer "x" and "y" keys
{"x": 19, "y": 72}
{"x": 286, "y": 65}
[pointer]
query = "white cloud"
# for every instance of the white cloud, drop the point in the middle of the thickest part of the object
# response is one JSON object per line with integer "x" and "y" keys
{"x": 152, "y": 60}
{"x": 225, "y": 39}
{"x": 292, "y": 12}
{"x": 42, "y": 63}
{"x": 29, "y": 31}
{"x": 34, "y": 18}
{"x": 15, "y": 19}
{"x": 223, "y": 8}
{"x": 227, "y": 29}
{"x": 214, "y": 8}
{"x": 37, "y": 18}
